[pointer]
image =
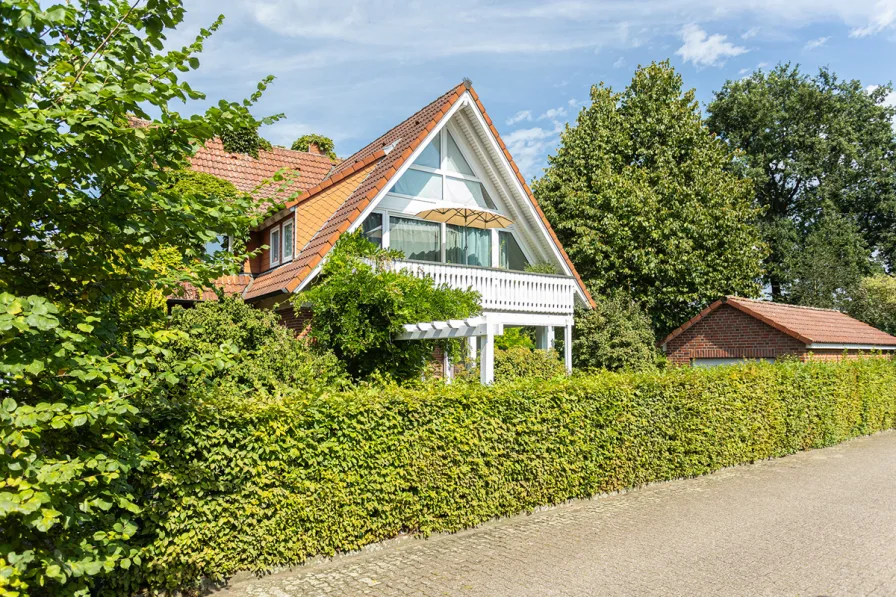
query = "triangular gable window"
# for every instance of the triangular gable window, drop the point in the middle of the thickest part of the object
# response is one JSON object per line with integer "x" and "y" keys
{"x": 456, "y": 161}
{"x": 432, "y": 154}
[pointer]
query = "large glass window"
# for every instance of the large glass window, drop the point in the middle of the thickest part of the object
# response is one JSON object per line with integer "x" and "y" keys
{"x": 432, "y": 154}
{"x": 372, "y": 229}
{"x": 416, "y": 239}
{"x": 455, "y": 161}
{"x": 418, "y": 183}
{"x": 468, "y": 246}
{"x": 467, "y": 191}
{"x": 510, "y": 255}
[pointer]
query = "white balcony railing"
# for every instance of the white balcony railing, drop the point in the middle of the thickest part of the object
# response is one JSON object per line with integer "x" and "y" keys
{"x": 502, "y": 290}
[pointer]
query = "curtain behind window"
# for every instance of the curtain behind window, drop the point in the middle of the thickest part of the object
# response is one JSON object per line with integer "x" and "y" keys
{"x": 478, "y": 246}
{"x": 416, "y": 239}
{"x": 510, "y": 255}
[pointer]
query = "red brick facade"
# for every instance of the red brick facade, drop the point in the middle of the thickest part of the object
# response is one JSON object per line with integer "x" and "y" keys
{"x": 298, "y": 321}
{"x": 728, "y": 333}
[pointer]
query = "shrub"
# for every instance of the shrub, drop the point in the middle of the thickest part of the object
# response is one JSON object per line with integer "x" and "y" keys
{"x": 266, "y": 358}
{"x": 874, "y": 302}
{"x": 249, "y": 486}
{"x": 615, "y": 335}
{"x": 516, "y": 337}
{"x": 519, "y": 362}
{"x": 361, "y": 302}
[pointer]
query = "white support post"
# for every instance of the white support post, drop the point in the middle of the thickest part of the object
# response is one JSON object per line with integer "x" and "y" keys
{"x": 567, "y": 347}
{"x": 487, "y": 356}
{"x": 447, "y": 368}
{"x": 472, "y": 345}
{"x": 544, "y": 337}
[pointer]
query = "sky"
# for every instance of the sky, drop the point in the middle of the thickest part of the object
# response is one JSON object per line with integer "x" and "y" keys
{"x": 352, "y": 69}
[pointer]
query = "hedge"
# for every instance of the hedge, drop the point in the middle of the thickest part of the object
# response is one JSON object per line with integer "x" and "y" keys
{"x": 255, "y": 486}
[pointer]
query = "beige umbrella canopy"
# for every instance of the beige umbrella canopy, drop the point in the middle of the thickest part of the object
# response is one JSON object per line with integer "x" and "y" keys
{"x": 466, "y": 216}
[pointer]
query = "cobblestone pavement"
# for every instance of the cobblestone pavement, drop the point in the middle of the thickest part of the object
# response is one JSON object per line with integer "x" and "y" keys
{"x": 819, "y": 523}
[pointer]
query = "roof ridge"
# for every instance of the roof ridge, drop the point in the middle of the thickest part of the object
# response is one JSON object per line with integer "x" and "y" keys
{"x": 380, "y": 139}
{"x": 771, "y": 302}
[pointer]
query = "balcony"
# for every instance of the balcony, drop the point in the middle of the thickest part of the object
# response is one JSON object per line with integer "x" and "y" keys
{"x": 502, "y": 290}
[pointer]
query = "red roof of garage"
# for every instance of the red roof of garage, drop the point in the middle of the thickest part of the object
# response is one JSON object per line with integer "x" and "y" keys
{"x": 809, "y": 325}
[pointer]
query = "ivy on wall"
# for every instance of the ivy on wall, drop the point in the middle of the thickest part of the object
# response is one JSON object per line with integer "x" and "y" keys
{"x": 244, "y": 140}
{"x": 324, "y": 144}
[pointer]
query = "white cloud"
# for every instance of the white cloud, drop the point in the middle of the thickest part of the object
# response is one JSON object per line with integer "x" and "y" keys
{"x": 750, "y": 33}
{"x": 620, "y": 62}
{"x": 815, "y": 43}
{"x": 530, "y": 146}
{"x": 883, "y": 17}
{"x": 706, "y": 50}
{"x": 553, "y": 114}
{"x": 519, "y": 117}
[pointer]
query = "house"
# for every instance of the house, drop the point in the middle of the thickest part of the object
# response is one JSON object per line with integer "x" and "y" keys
{"x": 733, "y": 329}
{"x": 447, "y": 156}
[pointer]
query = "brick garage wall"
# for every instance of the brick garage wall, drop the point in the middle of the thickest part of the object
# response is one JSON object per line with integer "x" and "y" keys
{"x": 298, "y": 321}
{"x": 730, "y": 333}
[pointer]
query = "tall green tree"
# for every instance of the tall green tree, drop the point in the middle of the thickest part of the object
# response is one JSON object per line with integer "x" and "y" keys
{"x": 644, "y": 199}
{"x": 88, "y": 195}
{"x": 816, "y": 147}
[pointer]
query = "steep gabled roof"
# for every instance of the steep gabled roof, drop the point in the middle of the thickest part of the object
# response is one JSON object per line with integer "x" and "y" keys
{"x": 809, "y": 325}
{"x": 379, "y": 161}
{"x": 246, "y": 172}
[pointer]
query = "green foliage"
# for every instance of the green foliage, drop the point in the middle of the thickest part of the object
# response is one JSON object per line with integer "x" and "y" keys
{"x": 615, "y": 335}
{"x": 511, "y": 337}
{"x": 89, "y": 198}
{"x": 816, "y": 147}
{"x": 542, "y": 268}
{"x": 80, "y": 184}
{"x": 324, "y": 144}
{"x": 361, "y": 301}
{"x": 273, "y": 484}
{"x": 644, "y": 199}
{"x": 520, "y": 362}
{"x": 267, "y": 358}
{"x": 69, "y": 450}
{"x": 824, "y": 267}
{"x": 244, "y": 140}
{"x": 874, "y": 302}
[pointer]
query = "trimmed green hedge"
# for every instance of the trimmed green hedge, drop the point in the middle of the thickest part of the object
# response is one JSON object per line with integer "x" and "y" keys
{"x": 250, "y": 487}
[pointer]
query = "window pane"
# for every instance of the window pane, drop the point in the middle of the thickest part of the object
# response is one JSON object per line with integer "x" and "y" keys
{"x": 468, "y": 192}
{"x": 456, "y": 161}
{"x": 510, "y": 254}
{"x": 432, "y": 154}
{"x": 416, "y": 239}
{"x": 372, "y": 229}
{"x": 468, "y": 246}
{"x": 289, "y": 241}
{"x": 419, "y": 184}
{"x": 275, "y": 247}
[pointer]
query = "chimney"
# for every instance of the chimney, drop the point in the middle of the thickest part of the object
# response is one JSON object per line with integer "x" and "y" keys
{"x": 313, "y": 148}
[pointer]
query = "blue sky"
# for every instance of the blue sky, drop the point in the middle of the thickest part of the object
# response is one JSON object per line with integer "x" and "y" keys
{"x": 351, "y": 69}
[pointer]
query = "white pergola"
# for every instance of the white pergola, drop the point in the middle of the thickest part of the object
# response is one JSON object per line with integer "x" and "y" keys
{"x": 481, "y": 332}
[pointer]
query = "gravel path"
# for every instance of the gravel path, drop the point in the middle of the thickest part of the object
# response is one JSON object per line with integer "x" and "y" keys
{"x": 819, "y": 523}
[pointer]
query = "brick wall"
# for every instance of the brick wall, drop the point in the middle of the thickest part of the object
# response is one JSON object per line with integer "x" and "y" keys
{"x": 298, "y": 321}
{"x": 730, "y": 333}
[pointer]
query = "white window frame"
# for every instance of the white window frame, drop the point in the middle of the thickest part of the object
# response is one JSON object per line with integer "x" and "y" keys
{"x": 290, "y": 223}
{"x": 271, "y": 245}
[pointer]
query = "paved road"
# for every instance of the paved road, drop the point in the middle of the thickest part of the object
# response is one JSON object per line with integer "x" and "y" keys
{"x": 819, "y": 523}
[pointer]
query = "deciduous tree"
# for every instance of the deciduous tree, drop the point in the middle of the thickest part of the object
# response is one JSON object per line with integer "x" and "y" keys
{"x": 644, "y": 199}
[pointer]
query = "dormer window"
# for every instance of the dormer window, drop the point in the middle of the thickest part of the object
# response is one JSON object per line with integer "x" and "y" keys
{"x": 282, "y": 243}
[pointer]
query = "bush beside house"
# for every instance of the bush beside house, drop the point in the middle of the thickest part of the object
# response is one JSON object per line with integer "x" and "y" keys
{"x": 250, "y": 485}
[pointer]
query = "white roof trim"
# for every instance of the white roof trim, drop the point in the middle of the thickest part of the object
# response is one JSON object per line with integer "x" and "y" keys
{"x": 837, "y": 346}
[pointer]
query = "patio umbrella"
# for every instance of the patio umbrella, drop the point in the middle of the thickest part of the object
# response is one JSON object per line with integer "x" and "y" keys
{"x": 467, "y": 217}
